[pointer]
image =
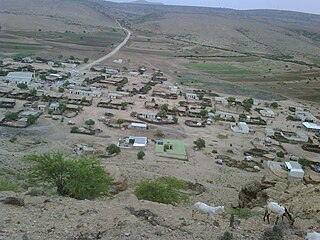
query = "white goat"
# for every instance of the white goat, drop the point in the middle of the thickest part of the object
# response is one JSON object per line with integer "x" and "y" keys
{"x": 279, "y": 210}
{"x": 206, "y": 209}
{"x": 313, "y": 236}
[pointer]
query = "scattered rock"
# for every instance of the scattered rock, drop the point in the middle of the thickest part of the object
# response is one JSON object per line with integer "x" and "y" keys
{"x": 13, "y": 201}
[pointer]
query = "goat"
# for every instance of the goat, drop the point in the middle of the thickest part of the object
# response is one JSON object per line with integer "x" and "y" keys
{"x": 279, "y": 210}
{"x": 313, "y": 236}
{"x": 206, "y": 209}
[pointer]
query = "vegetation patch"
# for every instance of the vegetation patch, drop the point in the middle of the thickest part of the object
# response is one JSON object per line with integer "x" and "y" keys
{"x": 244, "y": 213}
{"x": 214, "y": 68}
{"x": 166, "y": 190}
{"x": 6, "y": 185}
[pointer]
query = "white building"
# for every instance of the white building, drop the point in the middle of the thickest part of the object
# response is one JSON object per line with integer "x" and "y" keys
{"x": 192, "y": 96}
{"x": 311, "y": 127}
{"x": 90, "y": 92}
{"x": 139, "y": 125}
{"x": 294, "y": 170}
{"x": 267, "y": 112}
{"x": 241, "y": 127}
{"x": 19, "y": 77}
{"x": 221, "y": 100}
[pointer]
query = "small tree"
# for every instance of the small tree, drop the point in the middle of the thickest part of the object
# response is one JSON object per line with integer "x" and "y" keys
{"x": 11, "y": 116}
{"x": 120, "y": 121}
{"x": 85, "y": 60}
{"x": 231, "y": 100}
{"x": 160, "y": 133}
{"x": 203, "y": 113}
{"x": 247, "y": 104}
{"x": 62, "y": 107}
{"x": 274, "y": 105}
{"x": 80, "y": 178}
{"x": 280, "y": 154}
{"x": 162, "y": 114}
{"x": 89, "y": 123}
{"x": 164, "y": 107}
{"x": 31, "y": 119}
{"x": 200, "y": 143}
{"x": 113, "y": 149}
{"x": 200, "y": 96}
{"x": 141, "y": 155}
{"x": 61, "y": 89}
{"x": 175, "y": 119}
{"x": 33, "y": 92}
{"x": 22, "y": 86}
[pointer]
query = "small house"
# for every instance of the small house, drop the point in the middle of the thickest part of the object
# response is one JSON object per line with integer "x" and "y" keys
{"x": 267, "y": 112}
{"x": 305, "y": 116}
{"x": 19, "y": 77}
{"x": 312, "y": 127}
{"x": 295, "y": 170}
{"x": 241, "y": 127}
{"x": 191, "y": 96}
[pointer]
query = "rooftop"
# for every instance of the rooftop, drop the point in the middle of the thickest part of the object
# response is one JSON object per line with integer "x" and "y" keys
{"x": 173, "y": 148}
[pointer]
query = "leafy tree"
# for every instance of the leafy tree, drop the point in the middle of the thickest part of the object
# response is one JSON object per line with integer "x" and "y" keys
{"x": 162, "y": 114}
{"x": 175, "y": 119}
{"x": 31, "y": 119}
{"x": 247, "y": 104}
{"x": 124, "y": 105}
{"x": 280, "y": 154}
{"x": 164, "y": 107}
{"x": 203, "y": 113}
{"x": 11, "y": 116}
{"x": 175, "y": 110}
{"x": 80, "y": 178}
{"x": 33, "y": 92}
{"x": 89, "y": 123}
{"x": 74, "y": 129}
{"x": 112, "y": 149}
{"x": 72, "y": 57}
{"x": 60, "y": 56}
{"x": 231, "y": 100}
{"x": 85, "y": 60}
{"x": 120, "y": 121}
{"x": 141, "y": 155}
{"x": 200, "y": 96}
{"x": 200, "y": 143}
{"x": 61, "y": 89}
{"x": 62, "y": 107}
{"x": 22, "y": 86}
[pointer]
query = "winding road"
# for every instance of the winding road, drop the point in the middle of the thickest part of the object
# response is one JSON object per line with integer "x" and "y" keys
{"x": 110, "y": 54}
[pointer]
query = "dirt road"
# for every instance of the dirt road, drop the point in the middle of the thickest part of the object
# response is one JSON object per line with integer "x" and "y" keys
{"x": 114, "y": 51}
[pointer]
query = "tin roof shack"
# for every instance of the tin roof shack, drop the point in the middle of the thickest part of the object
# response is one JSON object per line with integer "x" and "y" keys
{"x": 53, "y": 77}
{"x": 7, "y": 103}
{"x": 85, "y": 91}
{"x": 171, "y": 149}
{"x": 78, "y": 100}
{"x": 19, "y": 94}
{"x": 305, "y": 116}
{"x": 267, "y": 112}
{"x": 295, "y": 171}
{"x": 137, "y": 125}
{"x": 19, "y": 77}
{"x": 240, "y": 127}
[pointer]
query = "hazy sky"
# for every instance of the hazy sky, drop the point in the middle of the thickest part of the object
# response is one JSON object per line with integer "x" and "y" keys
{"x": 310, "y": 6}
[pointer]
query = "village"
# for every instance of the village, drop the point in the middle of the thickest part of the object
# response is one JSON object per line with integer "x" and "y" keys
{"x": 142, "y": 123}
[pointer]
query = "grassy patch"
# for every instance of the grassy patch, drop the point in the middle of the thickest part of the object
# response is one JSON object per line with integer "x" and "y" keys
{"x": 214, "y": 68}
{"x": 244, "y": 213}
{"x": 6, "y": 185}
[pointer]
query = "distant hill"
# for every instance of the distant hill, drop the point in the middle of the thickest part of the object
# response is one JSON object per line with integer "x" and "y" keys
{"x": 146, "y": 2}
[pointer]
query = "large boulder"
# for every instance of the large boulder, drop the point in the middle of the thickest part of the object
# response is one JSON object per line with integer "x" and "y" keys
{"x": 252, "y": 195}
{"x": 120, "y": 181}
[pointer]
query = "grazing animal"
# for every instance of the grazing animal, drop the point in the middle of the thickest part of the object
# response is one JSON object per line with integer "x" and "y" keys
{"x": 279, "y": 210}
{"x": 206, "y": 209}
{"x": 313, "y": 236}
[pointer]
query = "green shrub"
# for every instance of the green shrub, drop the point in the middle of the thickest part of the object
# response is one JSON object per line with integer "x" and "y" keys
{"x": 226, "y": 236}
{"x": 164, "y": 190}
{"x": 80, "y": 178}
{"x": 200, "y": 143}
{"x": 305, "y": 162}
{"x": 13, "y": 139}
{"x": 141, "y": 155}
{"x": 280, "y": 154}
{"x": 113, "y": 149}
{"x": 6, "y": 185}
{"x": 272, "y": 234}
